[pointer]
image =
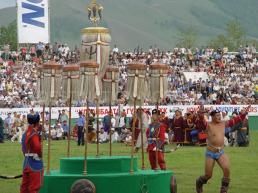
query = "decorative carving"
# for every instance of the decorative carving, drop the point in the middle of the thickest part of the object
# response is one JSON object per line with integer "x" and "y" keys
{"x": 91, "y": 52}
{"x": 94, "y": 12}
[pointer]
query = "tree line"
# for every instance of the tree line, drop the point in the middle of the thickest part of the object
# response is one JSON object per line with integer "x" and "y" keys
{"x": 8, "y": 35}
{"x": 235, "y": 36}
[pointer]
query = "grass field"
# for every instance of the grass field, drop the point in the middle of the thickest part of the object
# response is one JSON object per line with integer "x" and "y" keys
{"x": 187, "y": 163}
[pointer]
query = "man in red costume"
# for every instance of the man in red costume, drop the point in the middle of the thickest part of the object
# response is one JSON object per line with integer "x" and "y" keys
{"x": 32, "y": 176}
{"x": 201, "y": 125}
{"x": 156, "y": 139}
{"x": 215, "y": 149}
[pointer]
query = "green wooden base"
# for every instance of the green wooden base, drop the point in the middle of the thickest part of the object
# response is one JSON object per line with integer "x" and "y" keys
{"x": 109, "y": 175}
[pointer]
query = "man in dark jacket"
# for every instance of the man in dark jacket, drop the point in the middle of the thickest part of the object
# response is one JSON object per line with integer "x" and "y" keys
{"x": 1, "y": 130}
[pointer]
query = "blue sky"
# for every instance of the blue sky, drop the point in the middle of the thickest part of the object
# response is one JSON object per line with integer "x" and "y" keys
{"x": 7, "y": 3}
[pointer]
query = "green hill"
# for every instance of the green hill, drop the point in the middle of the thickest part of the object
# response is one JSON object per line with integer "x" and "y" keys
{"x": 149, "y": 22}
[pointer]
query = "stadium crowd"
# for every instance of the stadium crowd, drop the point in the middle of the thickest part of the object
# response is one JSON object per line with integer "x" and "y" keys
{"x": 231, "y": 80}
{"x": 231, "y": 76}
{"x": 18, "y": 72}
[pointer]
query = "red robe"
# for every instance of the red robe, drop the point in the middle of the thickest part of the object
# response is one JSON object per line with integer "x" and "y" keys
{"x": 32, "y": 176}
{"x": 165, "y": 122}
{"x": 200, "y": 123}
{"x": 154, "y": 131}
{"x": 178, "y": 126}
{"x": 235, "y": 120}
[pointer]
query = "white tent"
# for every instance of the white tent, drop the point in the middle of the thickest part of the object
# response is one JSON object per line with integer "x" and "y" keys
{"x": 195, "y": 76}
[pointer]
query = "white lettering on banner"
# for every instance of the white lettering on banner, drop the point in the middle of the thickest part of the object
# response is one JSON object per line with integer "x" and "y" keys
{"x": 129, "y": 110}
{"x": 33, "y": 21}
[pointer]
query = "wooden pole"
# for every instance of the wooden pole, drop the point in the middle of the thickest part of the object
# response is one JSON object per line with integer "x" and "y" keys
{"x": 70, "y": 122}
{"x": 49, "y": 140}
{"x": 97, "y": 114}
{"x": 43, "y": 130}
{"x": 86, "y": 140}
{"x": 157, "y": 137}
{"x": 133, "y": 134}
{"x": 142, "y": 145}
{"x": 110, "y": 111}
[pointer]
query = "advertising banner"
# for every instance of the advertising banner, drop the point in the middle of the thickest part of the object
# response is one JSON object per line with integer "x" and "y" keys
{"x": 33, "y": 21}
{"x": 103, "y": 110}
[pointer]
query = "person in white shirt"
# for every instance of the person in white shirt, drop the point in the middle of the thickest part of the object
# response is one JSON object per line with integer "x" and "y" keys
{"x": 8, "y": 122}
{"x": 121, "y": 122}
{"x": 113, "y": 121}
{"x": 17, "y": 129}
{"x": 114, "y": 136}
{"x": 103, "y": 136}
{"x": 128, "y": 139}
{"x": 225, "y": 116}
{"x": 115, "y": 49}
{"x": 53, "y": 133}
{"x": 59, "y": 131}
{"x": 171, "y": 114}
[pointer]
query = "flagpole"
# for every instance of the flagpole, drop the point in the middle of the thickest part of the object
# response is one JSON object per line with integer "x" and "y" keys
{"x": 49, "y": 39}
{"x": 17, "y": 23}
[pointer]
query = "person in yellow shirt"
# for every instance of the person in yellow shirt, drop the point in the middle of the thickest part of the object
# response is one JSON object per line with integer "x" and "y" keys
{"x": 9, "y": 86}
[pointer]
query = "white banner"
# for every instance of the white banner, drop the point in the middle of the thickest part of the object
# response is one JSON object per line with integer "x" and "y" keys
{"x": 129, "y": 110}
{"x": 33, "y": 21}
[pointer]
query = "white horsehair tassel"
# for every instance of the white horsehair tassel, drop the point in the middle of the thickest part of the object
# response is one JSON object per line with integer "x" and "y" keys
{"x": 97, "y": 85}
{"x": 52, "y": 92}
{"x": 135, "y": 86}
{"x": 98, "y": 50}
{"x": 113, "y": 84}
{"x": 82, "y": 84}
{"x": 161, "y": 83}
{"x": 68, "y": 84}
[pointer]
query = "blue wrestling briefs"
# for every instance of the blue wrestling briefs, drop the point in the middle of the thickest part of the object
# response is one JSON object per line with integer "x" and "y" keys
{"x": 213, "y": 155}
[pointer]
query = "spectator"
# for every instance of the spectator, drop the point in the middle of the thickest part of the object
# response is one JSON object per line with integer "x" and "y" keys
{"x": 59, "y": 132}
{"x": 103, "y": 136}
{"x": 65, "y": 128}
{"x": 17, "y": 129}
{"x": 64, "y": 117}
{"x": 231, "y": 77}
{"x": 53, "y": 133}
{"x": 8, "y": 122}
{"x": 1, "y": 130}
{"x": 114, "y": 136}
{"x": 107, "y": 122}
{"x": 80, "y": 129}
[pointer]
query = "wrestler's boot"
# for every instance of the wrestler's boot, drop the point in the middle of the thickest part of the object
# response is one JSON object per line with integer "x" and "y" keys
{"x": 199, "y": 183}
{"x": 224, "y": 185}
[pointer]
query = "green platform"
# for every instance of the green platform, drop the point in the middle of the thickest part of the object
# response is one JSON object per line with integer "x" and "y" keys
{"x": 109, "y": 175}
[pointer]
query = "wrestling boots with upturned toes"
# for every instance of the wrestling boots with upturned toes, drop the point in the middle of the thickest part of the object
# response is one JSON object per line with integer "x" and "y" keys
{"x": 199, "y": 184}
{"x": 224, "y": 185}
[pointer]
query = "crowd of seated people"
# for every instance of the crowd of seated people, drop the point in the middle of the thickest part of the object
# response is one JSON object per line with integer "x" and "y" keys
{"x": 231, "y": 77}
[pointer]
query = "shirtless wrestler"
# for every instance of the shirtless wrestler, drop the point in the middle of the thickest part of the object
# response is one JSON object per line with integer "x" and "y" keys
{"x": 215, "y": 149}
